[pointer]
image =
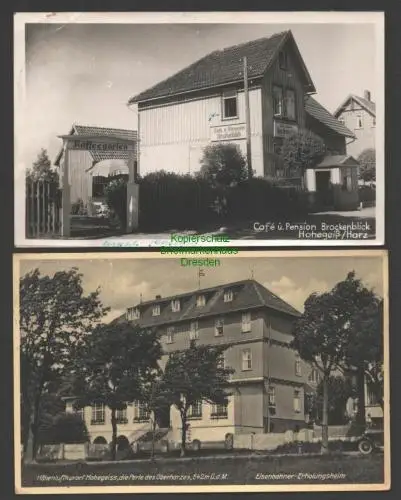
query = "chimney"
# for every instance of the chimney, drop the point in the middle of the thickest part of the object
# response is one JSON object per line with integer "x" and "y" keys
{"x": 366, "y": 95}
{"x": 158, "y": 296}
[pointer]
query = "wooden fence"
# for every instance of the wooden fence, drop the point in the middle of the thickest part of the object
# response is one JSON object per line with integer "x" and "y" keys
{"x": 43, "y": 204}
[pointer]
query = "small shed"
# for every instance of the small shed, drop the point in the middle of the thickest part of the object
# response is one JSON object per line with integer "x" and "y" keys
{"x": 333, "y": 183}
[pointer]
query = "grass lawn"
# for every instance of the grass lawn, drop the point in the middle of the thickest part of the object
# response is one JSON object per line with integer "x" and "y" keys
{"x": 235, "y": 469}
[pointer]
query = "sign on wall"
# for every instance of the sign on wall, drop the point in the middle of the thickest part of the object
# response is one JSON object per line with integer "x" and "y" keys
{"x": 282, "y": 129}
{"x": 228, "y": 132}
{"x": 102, "y": 146}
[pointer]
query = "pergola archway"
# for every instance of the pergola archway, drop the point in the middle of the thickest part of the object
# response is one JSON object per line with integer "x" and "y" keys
{"x": 120, "y": 147}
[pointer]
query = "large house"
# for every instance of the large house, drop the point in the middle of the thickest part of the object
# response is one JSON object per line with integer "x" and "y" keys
{"x": 359, "y": 115}
{"x": 206, "y": 103}
{"x": 267, "y": 386}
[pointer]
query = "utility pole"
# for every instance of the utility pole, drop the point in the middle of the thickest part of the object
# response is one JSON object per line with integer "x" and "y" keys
{"x": 247, "y": 120}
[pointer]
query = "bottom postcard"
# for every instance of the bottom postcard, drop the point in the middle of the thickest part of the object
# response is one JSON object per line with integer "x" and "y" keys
{"x": 261, "y": 371}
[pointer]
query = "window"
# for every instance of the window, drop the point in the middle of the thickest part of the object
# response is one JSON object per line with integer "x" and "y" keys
{"x": 289, "y": 110}
{"x": 195, "y": 410}
{"x": 271, "y": 398}
{"x": 218, "y": 327}
{"x": 246, "y": 322}
{"x": 175, "y": 305}
{"x": 194, "y": 330}
{"x": 228, "y": 296}
{"x": 371, "y": 398}
{"x": 282, "y": 59}
{"x": 347, "y": 179}
{"x": 298, "y": 365}
{"x": 133, "y": 313}
{"x": 219, "y": 411}
{"x": 342, "y": 120}
{"x": 156, "y": 310}
{"x": 277, "y": 101}
{"x": 170, "y": 334}
{"x": 373, "y": 121}
{"x": 230, "y": 105}
{"x": 359, "y": 123}
{"x": 314, "y": 376}
{"x": 121, "y": 416}
{"x": 200, "y": 301}
{"x": 297, "y": 402}
{"x": 221, "y": 362}
{"x": 246, "y": 360}
{"x": 97, "y": 414}
{"x": 141, "y": 413}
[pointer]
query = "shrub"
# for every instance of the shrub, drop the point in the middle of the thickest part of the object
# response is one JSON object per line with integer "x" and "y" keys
{"x": 65, "y": 428}
{"x": 79, "y": 208}
{"x": 367, "y": 193}
{"x": 116, "y": 198}
{"x": 367, "y": 165}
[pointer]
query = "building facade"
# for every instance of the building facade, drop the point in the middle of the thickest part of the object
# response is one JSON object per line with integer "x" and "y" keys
{"x": 359, "y": 115}
{"x": 267, "y": 385}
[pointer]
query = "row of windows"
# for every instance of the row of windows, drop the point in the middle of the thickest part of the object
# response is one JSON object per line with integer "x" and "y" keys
{"x": 218, "y": 328}
{"x": 217, "y": 411}
{"x": 358, "y": 122}
{"x": 141, "y": 413}
{"x": 134, "y": 313}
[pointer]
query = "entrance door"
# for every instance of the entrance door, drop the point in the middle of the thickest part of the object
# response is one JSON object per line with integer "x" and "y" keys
{"x": 324, "y": 191}
{"x": 163, "y": 417}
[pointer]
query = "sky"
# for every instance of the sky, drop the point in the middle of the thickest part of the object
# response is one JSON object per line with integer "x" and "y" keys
{"x": 86, "y": 73}
{"x": 122, "y": 281}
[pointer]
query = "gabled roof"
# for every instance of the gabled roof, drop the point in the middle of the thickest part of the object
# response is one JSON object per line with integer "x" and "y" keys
{"x": 320, "y": 113}
{"x": 226, "y": 67}
{"x": 100, "y": 155}
{"x": 369, "y": 106}
{"x": 338, "y": 161}
{"x": 247, "y": 294}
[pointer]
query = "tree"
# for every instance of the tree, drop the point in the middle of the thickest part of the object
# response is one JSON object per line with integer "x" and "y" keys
{"x": 223, "y": 165}
{"x": 363, "y": 354}
{"x": 55, "y": 317}
{"x": 194, "y": 375}
{"x": 41, "y": 169}
{"x": 367, "y": 165}
{"x": 113, "y": 367}
{"x": 320, "y": 336}
{"x": 66, "y": 428}
{"x": 301, "y": 150}
{"x": 339, "y": 390}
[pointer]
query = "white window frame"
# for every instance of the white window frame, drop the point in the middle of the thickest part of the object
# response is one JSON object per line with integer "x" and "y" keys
{"x": 246, "y": 322}
{"x": 195, "y": 411}
{"x": 121, "y": 416}
{"x": 170, "y": 334}
{"x": 297, "y": 401}
{"x": 314, "y": 376}
{"x": 219, "y": 323}
{"x": 285, "y": 113}
{"x": 200, "y": 301}
{"x": 156, "y": 310}
{"x": 80, "y": 412}
{"x": 175, "y": 305}
{"x": 98, "y": 409}
{"x": 228, "y": 296}
{"x": 194, "y": 330}
{"x": 359, "y": 122}
{"x": 281, "y": 101}
{"x": 219, "y": 411}
{"x": 232, "y": 94}
{"x": 246, "y": 360}
{"x": 133, "y": 313}
{"x": 271, "y": 399}
{"x": 221, "y": 362}
{"x": 141, "y": 413}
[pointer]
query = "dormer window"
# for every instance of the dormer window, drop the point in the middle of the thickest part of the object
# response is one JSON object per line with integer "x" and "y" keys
{"x": 200, "y": 301}
{"x": 228, "y": 296}
{"x": 230, "y": 107}
{"x": 156, "y": 310}
{"x": 175, "y": 305}
{"x": 133, "y": 313}
{"x": 282, "y": 60}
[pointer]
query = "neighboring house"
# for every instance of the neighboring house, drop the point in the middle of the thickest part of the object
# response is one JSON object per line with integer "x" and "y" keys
{"x": 359, "y": 115}
{"x": 205, "y": 103}
{"x": 268, "y": 383}
{"x": 83, "y": 165}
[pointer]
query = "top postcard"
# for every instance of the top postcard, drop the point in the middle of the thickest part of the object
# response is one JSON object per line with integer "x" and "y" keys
{"x": 188, "y": 129}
